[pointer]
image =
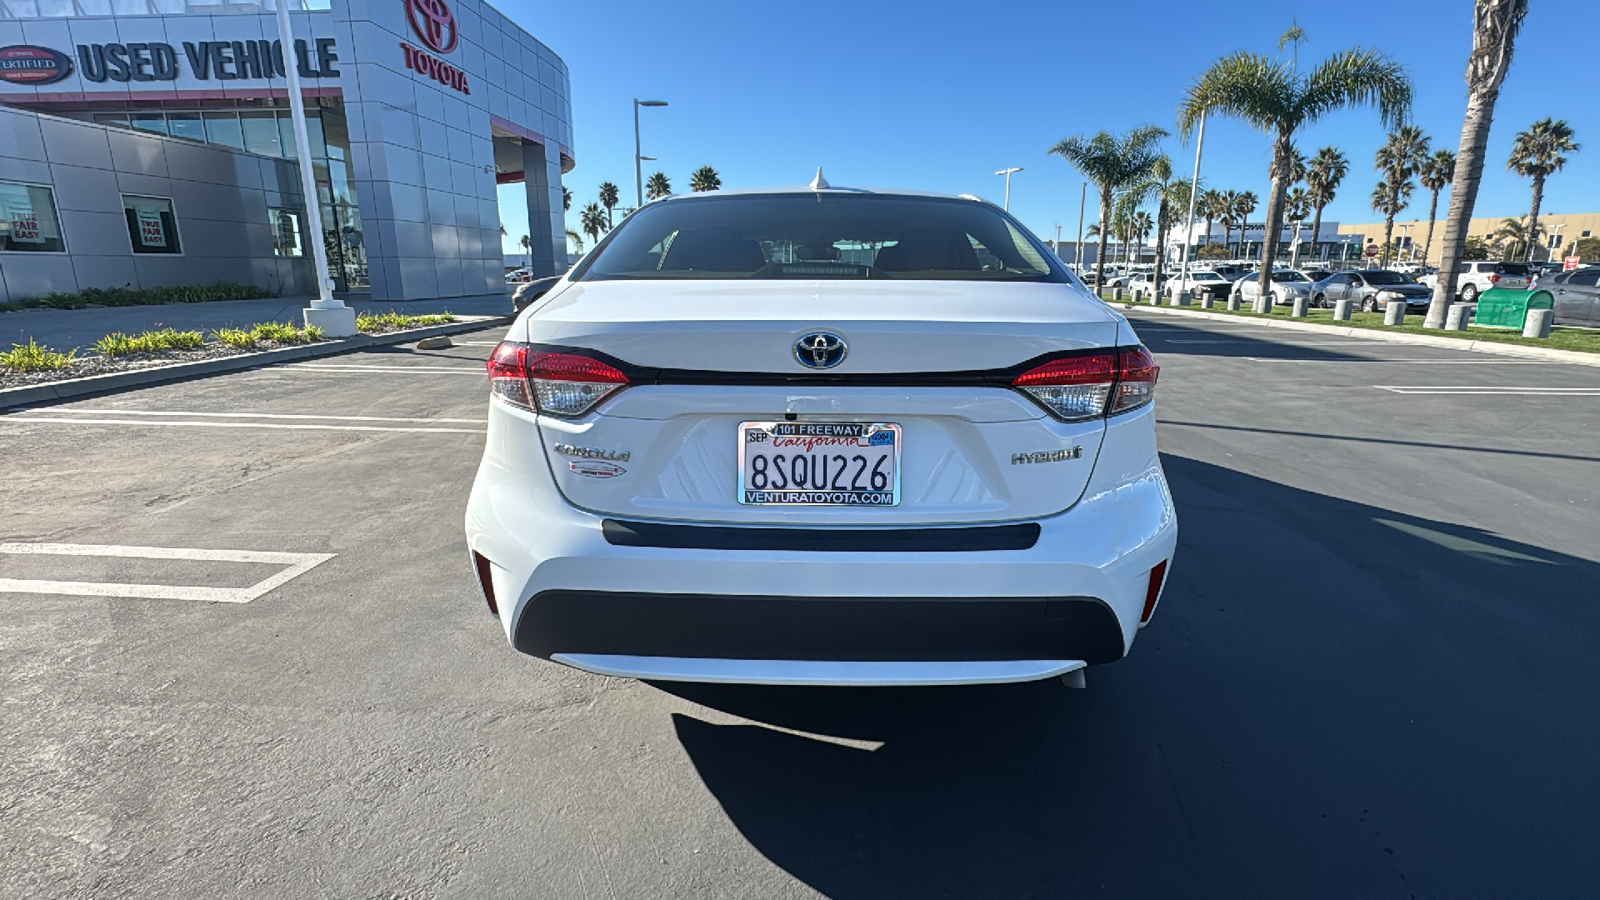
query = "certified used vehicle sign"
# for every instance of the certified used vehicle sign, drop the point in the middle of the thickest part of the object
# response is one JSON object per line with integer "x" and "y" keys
{"x": 819, "y": 463}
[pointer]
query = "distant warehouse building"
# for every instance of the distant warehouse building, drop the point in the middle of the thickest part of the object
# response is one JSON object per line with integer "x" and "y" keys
{"x": 147, "y": 143}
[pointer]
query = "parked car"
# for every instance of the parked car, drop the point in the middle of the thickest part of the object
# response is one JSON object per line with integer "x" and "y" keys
{"x": 1478, "y": 276}
{"x": 529, "y": 291}
{"x": 519, "y": 275}
{"x": 1205, "y": 282}
{"x": 1230, "y": 271}
{"x": 1287, "y": 284}
{"x": 1145, "y": 281}
{"x": 721, "y": 465}
{"x": 1577, "y": 296}
{"x": 1315, "y": 274}
{"x": 1370, "y": 289}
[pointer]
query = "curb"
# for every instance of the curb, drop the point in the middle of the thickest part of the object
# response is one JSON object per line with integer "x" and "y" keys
{"x": 1549, "y": 354}
{"x": 74, "y": 388}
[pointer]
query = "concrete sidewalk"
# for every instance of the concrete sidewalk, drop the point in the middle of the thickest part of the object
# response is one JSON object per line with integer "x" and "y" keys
{"x": 65, "y": 329}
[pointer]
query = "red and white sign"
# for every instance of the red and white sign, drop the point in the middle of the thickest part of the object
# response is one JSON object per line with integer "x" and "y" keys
{"x": 1372, "y": 250}
{"x": 152, "y": 233}
{"x": 1571, "y": 262}
{"x": 435, "y": 26}
{"x": 24, "y": 221}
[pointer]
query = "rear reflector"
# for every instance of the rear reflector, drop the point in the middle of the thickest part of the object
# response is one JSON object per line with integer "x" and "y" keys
{"x": 1153, "y": 592}
{"x": 551, "y": 382}
{"x": 485, "y": 582}
{"x": 1090, "y": 385}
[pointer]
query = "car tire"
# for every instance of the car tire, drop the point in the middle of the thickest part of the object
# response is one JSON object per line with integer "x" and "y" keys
{"x": 1369, "y": 304}
{"x": 1320, "y": 301}
{"x": 1469, "y": 293}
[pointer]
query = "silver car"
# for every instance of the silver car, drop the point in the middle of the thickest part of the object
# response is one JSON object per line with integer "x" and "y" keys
{"x": 1370, "y": 289}
{"x": 1287, "y": 285}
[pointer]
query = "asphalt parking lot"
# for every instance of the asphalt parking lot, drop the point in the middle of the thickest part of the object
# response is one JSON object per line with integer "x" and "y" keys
{"x": 1373, "y": 674}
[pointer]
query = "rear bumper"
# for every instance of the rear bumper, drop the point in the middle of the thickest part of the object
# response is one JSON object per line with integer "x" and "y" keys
{"x": 648, "y": 602}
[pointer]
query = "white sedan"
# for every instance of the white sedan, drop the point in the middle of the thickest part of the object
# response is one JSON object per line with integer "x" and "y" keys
{"x": 1287, "y": 285}
{"x": 821, "y": 436}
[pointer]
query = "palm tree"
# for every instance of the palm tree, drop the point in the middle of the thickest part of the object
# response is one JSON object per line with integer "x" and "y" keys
{"x": 658, "y": 186}
{"x": 593, "y": 221}
{"x": 566, "y": 198}
{"x": 1226, "y": 200}
{"x": 1390, "y": 199}
{"x": 1323, "y": 174}
{"x": 1297, "y": 205}
{"x": 608, "y": 199}
{"x": 576, "y": 239}
{"x": 1397, "y": 160}
{"x": 1111, "y": 162}
{"x": 1294, "y": 37}
{"x": 1517, "y": 237}
{"x": 1435, "y": 173}
{"x": 527, "y": 247}
{"x": 1170, "y": 196}
{"x": 1537, "y": 154}
{"x": 1217, "y": 205}
{"x": 705, "y": 178}
{"x": 1278, "y": 100}
{"x": 1205, "y": 206}
{"x": 1244, "y": 203}
{"x": 1495, "y": 24}
{"x": 1139, "y": 225}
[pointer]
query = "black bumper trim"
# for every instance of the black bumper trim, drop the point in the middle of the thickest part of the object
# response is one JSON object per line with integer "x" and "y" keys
{"x": 721, "y": 626}
{"x": 821, "y": 540}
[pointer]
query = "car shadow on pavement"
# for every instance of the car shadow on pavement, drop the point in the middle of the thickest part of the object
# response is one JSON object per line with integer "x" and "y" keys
{"x": 1334, "y": 700}
{"x": 1165, "y": 337}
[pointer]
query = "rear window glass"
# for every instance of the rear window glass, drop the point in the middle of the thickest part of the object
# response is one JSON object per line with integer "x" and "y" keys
{"x": 821, "y": 235}
{"x": 1513, "y": 269}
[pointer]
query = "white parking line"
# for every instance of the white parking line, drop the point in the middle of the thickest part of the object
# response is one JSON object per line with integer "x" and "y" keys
{"x": 298, "y": 564}
{"x": 250, "y": 415}
{"x": 1415, "y": 362}
{"x": 337, "y": 367}
{"x": 1486, "y": 390}
{"x": 477, "y": 343}
{"x": 22, "y": 418}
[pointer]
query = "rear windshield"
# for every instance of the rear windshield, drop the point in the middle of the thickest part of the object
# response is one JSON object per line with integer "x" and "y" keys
{"x": 821, "y": 235}
{"x": 1513, "y": 269}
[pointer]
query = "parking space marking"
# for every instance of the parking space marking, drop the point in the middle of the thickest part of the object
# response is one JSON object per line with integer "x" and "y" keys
{"x": 1415, "y": 362}
{"x": 1485, "y": 390}
{"x": 477, "y": 343}
{"x": 297, "y": 564}
{"x": 19, "y": 419}
{"x": 475, "y": 370}
{"x": 250, "y": 415}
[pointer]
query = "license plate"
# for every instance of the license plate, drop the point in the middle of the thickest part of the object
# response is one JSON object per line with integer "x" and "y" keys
{"x": 819, "y": 463}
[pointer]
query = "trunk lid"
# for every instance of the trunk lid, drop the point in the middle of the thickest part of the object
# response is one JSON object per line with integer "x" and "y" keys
{"x": 720, "y": 353}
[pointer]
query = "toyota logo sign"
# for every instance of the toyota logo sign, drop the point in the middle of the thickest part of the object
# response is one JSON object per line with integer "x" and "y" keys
{"x": 434, "y": 23}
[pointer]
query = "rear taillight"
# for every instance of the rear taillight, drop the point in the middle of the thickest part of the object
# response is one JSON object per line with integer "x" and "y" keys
{"x": 1152, "y": 591}
{"x": 551, "y": 382}
{"x": 1493, "y": 279}
{"x": 1088, "y": 386}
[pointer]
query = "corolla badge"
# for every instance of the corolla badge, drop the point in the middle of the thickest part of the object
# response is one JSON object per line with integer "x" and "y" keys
{"x": 820, "y": 350}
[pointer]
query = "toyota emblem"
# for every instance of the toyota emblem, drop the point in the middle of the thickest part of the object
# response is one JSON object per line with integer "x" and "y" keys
{"x": 434, "y": 23}
{"x": 820, "y": 350}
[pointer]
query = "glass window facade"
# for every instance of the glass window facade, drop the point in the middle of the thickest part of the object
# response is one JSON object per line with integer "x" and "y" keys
{"x": 28, "y": 220}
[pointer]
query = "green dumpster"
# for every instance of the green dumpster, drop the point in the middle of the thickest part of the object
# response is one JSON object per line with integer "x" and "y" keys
{"x": 1509, "y": 309}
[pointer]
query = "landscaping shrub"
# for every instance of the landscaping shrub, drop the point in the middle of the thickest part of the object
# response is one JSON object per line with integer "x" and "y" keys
{"x": 35, "y": 357}
{"x": 119, "y": 344}
{"x": 118, "y": 296}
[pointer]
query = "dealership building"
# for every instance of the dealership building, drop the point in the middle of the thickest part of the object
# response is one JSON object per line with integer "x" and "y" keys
{"x": 148, "y": 143}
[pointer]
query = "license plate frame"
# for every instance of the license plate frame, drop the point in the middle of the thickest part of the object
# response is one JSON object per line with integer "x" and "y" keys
{"x": 820, "y": 432}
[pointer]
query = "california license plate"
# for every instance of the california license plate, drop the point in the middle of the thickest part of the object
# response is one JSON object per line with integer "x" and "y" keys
{"x": 819, "y": 463}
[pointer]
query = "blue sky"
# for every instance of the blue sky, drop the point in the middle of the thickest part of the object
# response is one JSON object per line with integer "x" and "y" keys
{"x": 937, "y": 95}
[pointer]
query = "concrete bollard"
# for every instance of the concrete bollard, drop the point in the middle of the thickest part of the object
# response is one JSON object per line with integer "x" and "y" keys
{"x": 1182, "y": 299}
{"x": 1116, "y": 294}
{"x": 1341, "y": 310}
{"x": 1458, "y": 317}
{"x": 1233, "y": 303}
{"x": 1537, "y": 325}
{"x": 1138, "y": 295}
{"x": 1394, "y": 313}
{"x": 1298, "y": 310}
{"x": 1206, "y": 300}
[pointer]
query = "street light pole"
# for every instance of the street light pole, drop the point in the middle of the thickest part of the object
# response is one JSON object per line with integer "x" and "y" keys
{"x": 1555, "y": 245}
{"x": 1077, "y": 253}
{"x": 1194, "y": 190}
{"x": 326, "y": 311}
{"x": 1007, "y": 174}
{"x": 638, "y": 170}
